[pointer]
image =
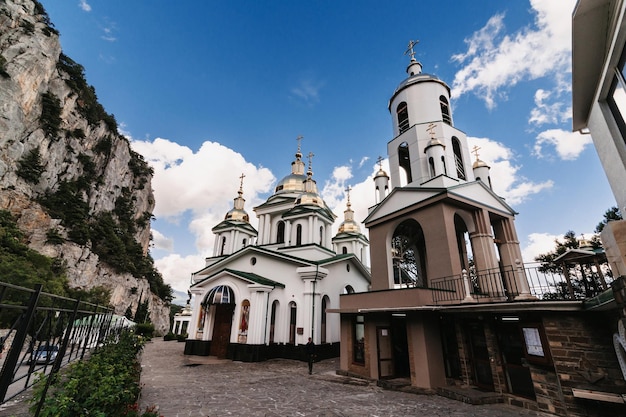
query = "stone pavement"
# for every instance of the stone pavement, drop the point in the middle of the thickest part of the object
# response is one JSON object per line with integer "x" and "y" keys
{"x": 182, "y": 385}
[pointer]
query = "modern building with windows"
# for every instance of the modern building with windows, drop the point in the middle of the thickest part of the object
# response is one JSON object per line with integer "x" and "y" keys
{"x": 263, "y": 294}
{"x": 452, "y": 307}
{"x": 599, "y": 101}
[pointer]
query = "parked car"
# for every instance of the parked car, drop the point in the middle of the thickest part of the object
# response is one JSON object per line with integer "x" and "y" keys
{"x": 44, "y": 354}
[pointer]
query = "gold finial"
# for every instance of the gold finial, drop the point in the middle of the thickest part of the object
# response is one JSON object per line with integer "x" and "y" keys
{"x": 299, "y": 139}
{"x": 241, "y": 181}
{"x": 475, "y": 150}
{"x": 410, "y": 51}
{"x": 348, "y": 189}
{"x": 431, "y": 130}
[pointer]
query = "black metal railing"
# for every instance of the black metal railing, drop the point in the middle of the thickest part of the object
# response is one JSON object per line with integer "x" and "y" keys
{"x": 528, "y": 281}
{"x": 43, "y": 332}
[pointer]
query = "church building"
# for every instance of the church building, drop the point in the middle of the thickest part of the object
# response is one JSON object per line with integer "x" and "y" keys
{"x": 452, "y": 308}
{"x": 264, "y": 293}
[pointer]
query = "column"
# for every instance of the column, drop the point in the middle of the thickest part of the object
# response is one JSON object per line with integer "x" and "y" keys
{"x": 259, "y": 314}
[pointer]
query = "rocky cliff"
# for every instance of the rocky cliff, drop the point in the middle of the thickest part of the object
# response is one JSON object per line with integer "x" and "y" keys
{"x": 78, "y": 190}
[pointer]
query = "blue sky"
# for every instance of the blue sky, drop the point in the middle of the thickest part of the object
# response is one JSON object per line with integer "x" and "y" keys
{"x": 209, "y": 90}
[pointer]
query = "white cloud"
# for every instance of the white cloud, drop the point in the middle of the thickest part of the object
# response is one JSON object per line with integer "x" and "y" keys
{"x": 505, "y": 177}
{"x": 308, "y": 90}
{"x": 84, "y": 5}
{"x": 494, "y": 62}
{"x": 335, "y": 188}
{"x": 202, "y": 181}
{"x": 538, "y": 244}
{"x": 568, "y": 145}
{"x": 160, "y": 241}
{"x": 177, "y": 269}
{"x": 546, "y": 111}
{"x": 198, "y": 187}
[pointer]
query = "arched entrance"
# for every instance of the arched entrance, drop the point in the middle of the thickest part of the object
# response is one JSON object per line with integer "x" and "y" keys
{"x": 408, "y": 251}
{"x": 222, "y": 300}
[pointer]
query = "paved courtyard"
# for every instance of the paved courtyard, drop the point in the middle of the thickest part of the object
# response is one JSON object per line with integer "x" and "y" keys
{"x": 203, "y": 386}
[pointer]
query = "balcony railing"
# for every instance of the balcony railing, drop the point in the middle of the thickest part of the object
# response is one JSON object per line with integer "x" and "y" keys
{"x": 528, "y": 281}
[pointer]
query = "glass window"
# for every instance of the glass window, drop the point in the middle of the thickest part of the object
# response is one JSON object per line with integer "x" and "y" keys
{"x": 280, "y": 235}
{"x": 292, "y": 323}
{"x": 445, "y": 110}
{"x": 359, "y": 339}
{"x": 299, "y": 235}
{"x": 403, "y": 117}
{"x": 617, "y": 102}
{"x": 458, "y": 158}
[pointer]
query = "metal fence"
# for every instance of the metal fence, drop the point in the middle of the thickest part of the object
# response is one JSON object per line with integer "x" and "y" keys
{"x": 43, "y": 332}
{"x": 507, "y": 284}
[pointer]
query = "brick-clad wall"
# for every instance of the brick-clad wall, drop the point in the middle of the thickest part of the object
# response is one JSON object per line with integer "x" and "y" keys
{"x": 466, "y": 369}
{"x": 581, "y": 346}
{"x": 499, "y": 379}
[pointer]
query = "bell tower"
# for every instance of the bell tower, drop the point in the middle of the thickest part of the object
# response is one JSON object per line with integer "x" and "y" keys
{"x": 426, "y": 145}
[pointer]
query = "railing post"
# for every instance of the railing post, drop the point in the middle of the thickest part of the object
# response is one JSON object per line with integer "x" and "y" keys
{"x": 60, "y": 355}
{"x": 468, "y": 294}
{"x": 522, "y": 282}
{"x": 6, "y": 376}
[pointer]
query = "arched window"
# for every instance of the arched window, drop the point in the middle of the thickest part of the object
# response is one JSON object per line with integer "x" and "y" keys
{"x": 273, "y": 320}
{"x": 445, "y": 110}
{"x": 348, "y": 289}
{"x": 325, "y": 303}
{"x": 404, "y": 160}
{"x": 292, "y": 322}
{"x": 321, "y": 235}
{"x": 463, "y": 243}
{"x": 408, "y": 252}
{"x": 299, "y": 235}
{"x": 223, "y": 247}
{"x": 431, "y": 167}
{"x": 402, "y": 112}
{"x": 243, "y": 242}
{"x": 280, "y": 234}
{"x": 443, "y": 163}
{"x": 344, "y": 250}
{"x": 458, "y": 158}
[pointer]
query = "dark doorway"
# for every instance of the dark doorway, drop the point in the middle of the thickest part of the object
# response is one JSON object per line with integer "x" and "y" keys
{"x": 450, "y": 347}
{"x": 479, "y": 356}
{"x": 221, "y": 329}
{"x": 517, "y": 372}
{"x": 401, "y": 364}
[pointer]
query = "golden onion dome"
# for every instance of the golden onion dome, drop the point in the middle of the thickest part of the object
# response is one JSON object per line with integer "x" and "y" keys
{"x": 237, "y": 215}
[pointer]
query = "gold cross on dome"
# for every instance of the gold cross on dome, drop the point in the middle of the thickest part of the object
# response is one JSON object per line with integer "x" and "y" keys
{"x": 475, "y": 150}
{"x": 410, "y": 51}
{"x": 431, "y": 130}
{"x": 241, "y": 181}
{"x": 380, "y": 162}
{"x": 299, "y": 139}
{"x": 310, "y": 156}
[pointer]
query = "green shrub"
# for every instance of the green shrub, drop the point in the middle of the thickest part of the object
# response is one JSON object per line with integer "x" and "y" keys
{"x": 30, "y": 167}
{"x": 181, "y": 337}
{"x": 145, "y": 329}
{"x": 105, "y": 385}
{"x": 54, "y": 237}
{"x": 50, "y": 114}
{"x": 169, "y": 336}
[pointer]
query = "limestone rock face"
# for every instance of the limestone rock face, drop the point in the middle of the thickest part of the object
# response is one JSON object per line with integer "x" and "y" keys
{"x": 81, "y": 148}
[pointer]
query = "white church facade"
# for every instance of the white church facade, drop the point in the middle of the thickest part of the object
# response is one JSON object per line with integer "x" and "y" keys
{"x": 264, "y": 293}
